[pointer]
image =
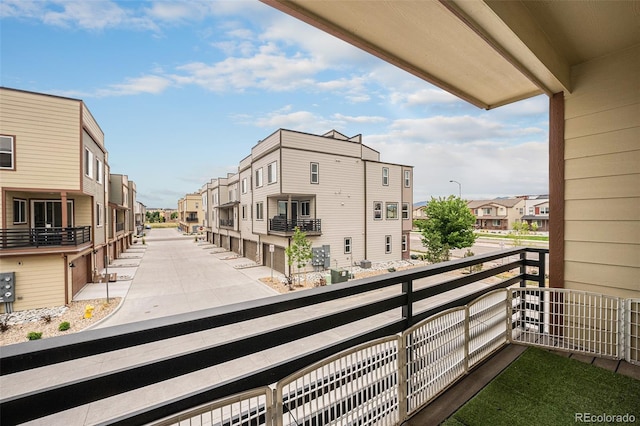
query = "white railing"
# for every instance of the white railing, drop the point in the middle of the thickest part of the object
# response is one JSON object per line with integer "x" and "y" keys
{"x": 385, "y": 381}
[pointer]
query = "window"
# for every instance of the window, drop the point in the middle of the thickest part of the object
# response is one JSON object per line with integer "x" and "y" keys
{"x": 259, "y": 177}
{"x": 347, "y": 245}
{"x": 385, "y": 176}
{"x": 405, "y": 210}
{"x": 272, "y": 173}
{"x": 530, "y": 210}
{"x": 6, "y": 152}
{"x": 99, "y": 171}
{"x": 244, "y": 212}
{"x": 244, "y": 185}
{"x": 544, "y": 210}
{"x": 521, "y": 210}
{"x": 259, "y": 211}
{"x": 215, "y": 198}
{"x": 88, "y": 163}
{"x": 486, "y": 211}
{"x": 305, "y": 208}
{"x": 19, "y": 211}
{"x": 404, "y": 242}
{"x": 377, "y": 210}
{"x": 99, "y": 215}
{"x": 407, "y": 179}
{"x": 315, "y": 173}
{"x": 392, "y": 210}
{"x": 496, "y": 222}
{"x": 387, "y": 244}
{"x": 475, "y": 211}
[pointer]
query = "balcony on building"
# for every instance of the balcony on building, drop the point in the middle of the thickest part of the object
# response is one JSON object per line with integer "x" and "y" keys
{"x": 293, "y": 212}
{"x": 226, "y": 214}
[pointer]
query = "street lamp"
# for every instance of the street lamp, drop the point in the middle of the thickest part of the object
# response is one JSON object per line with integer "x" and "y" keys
{"x": 459, "y": 187}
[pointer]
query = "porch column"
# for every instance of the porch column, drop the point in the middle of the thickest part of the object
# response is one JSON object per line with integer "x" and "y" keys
{"x": 65, "y": 216}
{"x": 556, "y": 190}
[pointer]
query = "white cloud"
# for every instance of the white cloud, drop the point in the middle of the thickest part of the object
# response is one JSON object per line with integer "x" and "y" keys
{"x": 362, "y": 119}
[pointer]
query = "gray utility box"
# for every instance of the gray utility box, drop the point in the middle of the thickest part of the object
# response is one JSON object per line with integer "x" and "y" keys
{"x": 338, "y": 276}
{"x": 365, "y": 264}
{"x": 7, "y": 287}
{"x": 321, "y": 256}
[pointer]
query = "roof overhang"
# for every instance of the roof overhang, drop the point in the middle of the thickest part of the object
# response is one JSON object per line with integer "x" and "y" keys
{"x": 489, "y": 53}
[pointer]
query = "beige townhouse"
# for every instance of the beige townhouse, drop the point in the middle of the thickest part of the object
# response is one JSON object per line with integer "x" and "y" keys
{"x": 54, "y": 180}
{"x": 351, "y": 206}
{"x": 497, "y": 214}
{"x": 188, "y": 213}
{"x": 122, "y": 192}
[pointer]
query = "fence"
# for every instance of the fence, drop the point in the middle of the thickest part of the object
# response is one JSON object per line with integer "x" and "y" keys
{"x": 385, "y": 381}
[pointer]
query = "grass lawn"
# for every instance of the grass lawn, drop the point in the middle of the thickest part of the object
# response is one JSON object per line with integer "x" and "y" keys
{"x": 513, "y": 237}
{"x": 542, "y": 388}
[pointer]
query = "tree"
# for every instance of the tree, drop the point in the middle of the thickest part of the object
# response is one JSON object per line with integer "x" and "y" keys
{"x": 299, "y": 251}
{"x": 174, "y": 215}
{"x": 520, "y": 230}
{"x": 449, "y": 225}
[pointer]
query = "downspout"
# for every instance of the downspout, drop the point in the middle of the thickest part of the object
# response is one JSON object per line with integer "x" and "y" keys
{"x": 365, "y": 210}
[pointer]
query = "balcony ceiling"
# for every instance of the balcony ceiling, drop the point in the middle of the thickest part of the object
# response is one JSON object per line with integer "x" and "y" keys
{"x": 489, "y": 53}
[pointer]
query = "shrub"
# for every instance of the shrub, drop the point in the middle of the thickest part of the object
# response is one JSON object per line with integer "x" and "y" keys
{"x": 46, "y": 319}
{"x": 64, "y": 326}
{"x": 34, "y": 335}
{"x": 4, "y": 324}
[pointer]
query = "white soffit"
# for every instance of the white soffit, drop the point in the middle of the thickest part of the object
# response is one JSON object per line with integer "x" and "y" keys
{"x": 432, "y": 40}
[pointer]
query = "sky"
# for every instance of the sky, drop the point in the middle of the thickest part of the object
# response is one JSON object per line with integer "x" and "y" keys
{"x": 183, "y": 90}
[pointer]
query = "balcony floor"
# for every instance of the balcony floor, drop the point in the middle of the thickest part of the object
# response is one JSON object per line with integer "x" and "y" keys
{"x": 457, "y": 395}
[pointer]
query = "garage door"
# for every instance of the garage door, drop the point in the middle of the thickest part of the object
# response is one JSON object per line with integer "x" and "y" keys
{"x": 249, "y": 249}
{"x": 235, "y": 245}
{"x": 279, "y": 263}
{"x": 80, "y": 274}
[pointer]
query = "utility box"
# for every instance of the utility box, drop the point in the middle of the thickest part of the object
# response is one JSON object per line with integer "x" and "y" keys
{"x": 7, "y": 287}
{"x": 338, "y": 276}
{"x": 321, "y": 256}
{"x": 365, "y": 264}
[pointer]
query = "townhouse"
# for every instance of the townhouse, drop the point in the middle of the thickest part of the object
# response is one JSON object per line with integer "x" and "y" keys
{"x": 55, "y": 205}
{"x": 497, "y": 214}
{"x": 536, "y": 211}
{"x": 189, "y": 213}
{"x": 351, "y": 205}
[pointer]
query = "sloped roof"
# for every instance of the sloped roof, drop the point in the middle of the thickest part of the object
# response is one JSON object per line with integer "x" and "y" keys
{"x": 505, "y": 202}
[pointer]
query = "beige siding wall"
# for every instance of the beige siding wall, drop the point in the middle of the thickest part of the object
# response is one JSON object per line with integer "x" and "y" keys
{"x": 260, "y": 194}
{"x": 339, "y": 199}
{"x": 320, "y": 143}
{"x": 377, "y": 230}
{"x": 92, "y": 126}
{"x": 266, "y": 145}
{"x": 602, "y": 176}
{"x": 39, "y": 280}
{"x": 370, "y": 154}
{"x": 246, "y": 200}
{"x": 47, "y": 132}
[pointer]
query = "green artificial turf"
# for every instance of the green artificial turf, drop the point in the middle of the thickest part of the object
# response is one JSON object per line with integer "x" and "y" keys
{"x": 542, "y": 388}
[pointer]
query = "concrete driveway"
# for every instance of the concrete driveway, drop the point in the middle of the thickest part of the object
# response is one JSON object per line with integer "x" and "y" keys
{"x": 178, "y": 275}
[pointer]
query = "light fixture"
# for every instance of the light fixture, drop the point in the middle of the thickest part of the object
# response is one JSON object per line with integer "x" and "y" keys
{"x": 72, "y": 265}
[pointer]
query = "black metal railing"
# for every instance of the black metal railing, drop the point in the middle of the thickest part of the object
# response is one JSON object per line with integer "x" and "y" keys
{"x": 227, "y": 223}
{"x": 44, "y": 237}
{"x": 389, "y": 303}
{"x": 191, "y": 219}
{"x": 279, "y": 224}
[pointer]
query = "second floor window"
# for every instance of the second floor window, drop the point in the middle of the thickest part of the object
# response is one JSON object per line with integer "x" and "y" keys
{"x": 6, "y": 152}
{"x": 392, "y": 210}
{"x": 305, "y": 208}
{"x": 407, "y": 179}
{"x": 315, "y": 173}
{"x": 385, "y": 176}
{"x": 377, "y": 210}
{"x": 259, "y": 211}
{"x": 19, "y": 211}
{"x": 405, "y": 210}
{"x": 99, "y": 171}
{"x": 272, "y": 173}
{"x": 486, "y": 211}
{"x": 99, "y": 214}
{"x": 259, "y": 177}
{"x": 244, "y": 212}
{"x": 244, "y": 185}
{"x": 544, "y": 210}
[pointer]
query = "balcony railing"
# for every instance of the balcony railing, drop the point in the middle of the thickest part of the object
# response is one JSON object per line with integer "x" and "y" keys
{"x": 191, "y": 219}
{"x": 283, "y": 226}
{"x": 226, "y": 223}
{"x": 378, "y": 307}
{"x": 44, "y": 237}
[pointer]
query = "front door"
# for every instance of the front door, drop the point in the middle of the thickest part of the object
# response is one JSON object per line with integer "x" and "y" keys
{"x": 48, "y": 214}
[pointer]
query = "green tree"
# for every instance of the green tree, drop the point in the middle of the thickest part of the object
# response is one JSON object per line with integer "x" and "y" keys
{"x": 519, "y": 231}
{"x": 174, "y": 215}
{"x": 449, "y": 225}
{"x": 299, "y": 251}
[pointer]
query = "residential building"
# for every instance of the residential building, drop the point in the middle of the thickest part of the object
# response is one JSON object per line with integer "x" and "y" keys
{"x": 56, "y": 220}
{"x": 497, "y": 214}
{"x": 121, "y": 200}
{"x": 536, "y": 211}
{"x": 333, "y": 187}
{"x": 188, "y": 213}
{"x": 140, "y": 215}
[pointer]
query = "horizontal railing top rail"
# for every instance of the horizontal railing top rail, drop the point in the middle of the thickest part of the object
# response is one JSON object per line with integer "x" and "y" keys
{"x": 278, "y": 224}
{"x": 22, "y": 357}
{"x": 43, "y": 236}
